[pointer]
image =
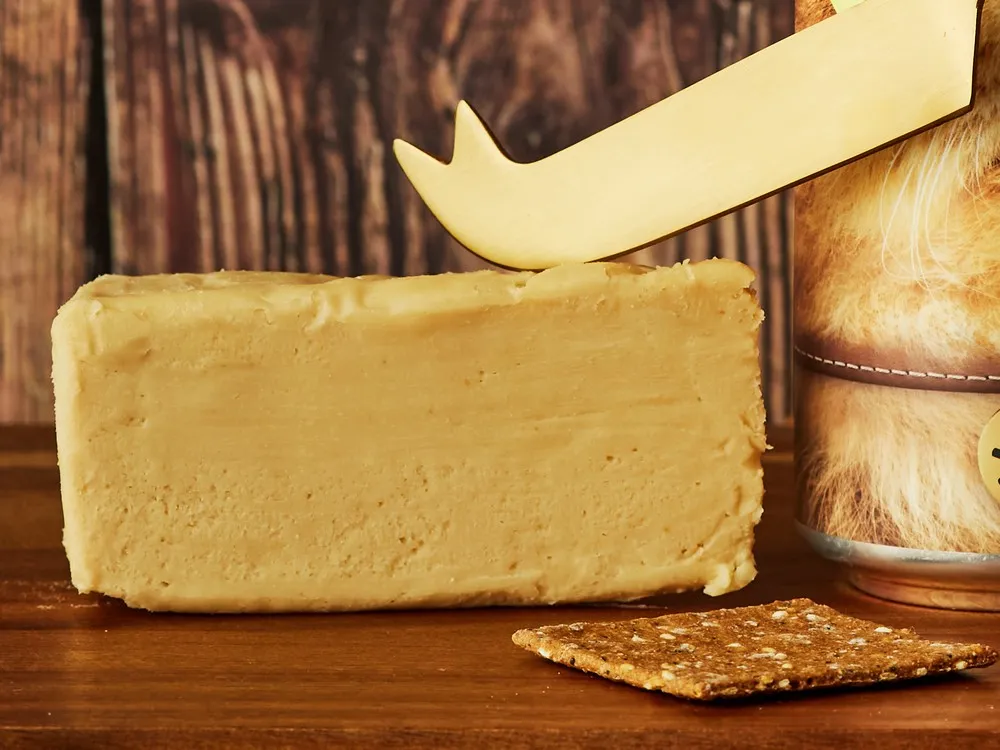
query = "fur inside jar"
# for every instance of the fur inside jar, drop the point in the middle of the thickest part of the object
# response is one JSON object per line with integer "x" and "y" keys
{"x": 897, "y": 332}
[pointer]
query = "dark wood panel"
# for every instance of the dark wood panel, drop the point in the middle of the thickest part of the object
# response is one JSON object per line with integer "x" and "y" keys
{"x": 44, "y": 78}
{"x": 258, "y": 134}
{"x": 83, "y": 671}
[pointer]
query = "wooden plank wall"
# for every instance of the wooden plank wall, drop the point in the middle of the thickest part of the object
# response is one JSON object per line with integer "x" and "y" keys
{"x": 44, "y": 83}
{"x": 257, "y": 134}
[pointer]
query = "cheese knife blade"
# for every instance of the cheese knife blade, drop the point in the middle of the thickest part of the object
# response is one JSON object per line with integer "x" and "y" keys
{"x": 841, "y": 89}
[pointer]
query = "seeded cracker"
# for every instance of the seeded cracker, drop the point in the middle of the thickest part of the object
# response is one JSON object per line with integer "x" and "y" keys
{"x": 734, "y": 653}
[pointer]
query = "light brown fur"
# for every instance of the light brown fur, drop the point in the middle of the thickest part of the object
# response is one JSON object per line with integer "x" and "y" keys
{"x": 900, "y": 254}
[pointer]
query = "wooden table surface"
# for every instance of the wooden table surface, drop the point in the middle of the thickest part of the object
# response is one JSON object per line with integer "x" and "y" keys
{"x": 82, "y": 671}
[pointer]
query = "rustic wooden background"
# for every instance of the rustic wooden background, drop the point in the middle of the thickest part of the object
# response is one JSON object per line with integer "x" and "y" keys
{"x": 142, "y": 136}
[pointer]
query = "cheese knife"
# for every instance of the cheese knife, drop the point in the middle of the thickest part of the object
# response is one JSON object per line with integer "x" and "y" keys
{"x": 877, "y": 72}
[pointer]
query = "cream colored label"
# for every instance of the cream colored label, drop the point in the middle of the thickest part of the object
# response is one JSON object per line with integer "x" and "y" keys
{"x": 989, "y": 456}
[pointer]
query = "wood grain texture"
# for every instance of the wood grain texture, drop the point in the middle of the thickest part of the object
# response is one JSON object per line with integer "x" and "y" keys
{"x": 257, "y": 133}
{"x": 82, "y": 671}
{"x": 44, "y": 80}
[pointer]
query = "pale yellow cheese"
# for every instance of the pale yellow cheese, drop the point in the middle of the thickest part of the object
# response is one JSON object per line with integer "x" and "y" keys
{"x": 254, "y": 442}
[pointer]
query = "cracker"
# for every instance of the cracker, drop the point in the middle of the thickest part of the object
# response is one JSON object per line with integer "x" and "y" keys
{"x": 735, "y": 653}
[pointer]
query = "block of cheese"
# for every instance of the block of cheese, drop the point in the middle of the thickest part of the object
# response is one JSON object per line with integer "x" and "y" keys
{"x": 276, "y": 442}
